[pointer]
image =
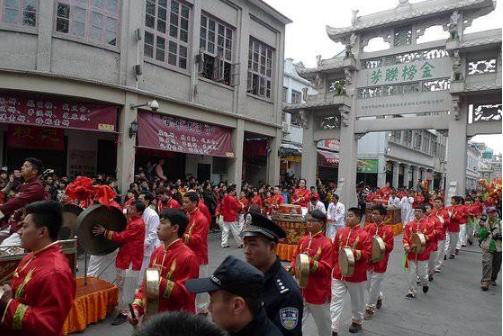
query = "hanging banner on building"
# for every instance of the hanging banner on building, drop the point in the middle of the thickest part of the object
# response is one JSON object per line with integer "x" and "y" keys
{"x": 367, "y": 166}
{"x": 158, "y": 131}
{"x": 31, "y": 137}
{"x": 57, "y": 113}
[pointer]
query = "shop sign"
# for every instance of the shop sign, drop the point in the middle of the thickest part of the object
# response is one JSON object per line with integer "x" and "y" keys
{"x": 293, "y": 158}
{"x": 162, "y": 132}
{"x": 31, "y": 137}
{"x": 367, "y": 166}
{"x": 55, "y": 113}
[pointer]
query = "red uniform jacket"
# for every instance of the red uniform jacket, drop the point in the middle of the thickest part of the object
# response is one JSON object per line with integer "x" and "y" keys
{"x": 230, "y": 208}
{"x": 386, "y": 233}
{"x": 177, "y": 263}
{"x": 169, "y": 204}
{"x": 131, "y": 240}
{"x": 360, "y": 242}
{"x": 474, "y": 209}
{"x": 443, "y": 218}
{"x": 29, "y": 192}
{"x": 437, "y": 228}
{"x": 423, "y": 226}
{"x": 258, "y": 201}
{"x": 301, "y": 197}
{"x": 44, "y": 288}
{"x": 457, "y": 217}
{"x": 204, "y": 209}
{"x": 274, "y": 201}
{"x": 319, "y": 249}
{"x": 245, "y": 203}
{"x": 196, "y": 235}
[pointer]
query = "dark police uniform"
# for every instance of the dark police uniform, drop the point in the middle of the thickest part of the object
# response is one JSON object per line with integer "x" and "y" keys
{"x": 282, "y": 297}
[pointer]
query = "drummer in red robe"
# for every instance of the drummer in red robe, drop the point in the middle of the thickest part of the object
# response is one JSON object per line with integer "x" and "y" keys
{"x": 376, "y": 270}
{"x": 301, "y": 195}
{"x": 176, "y": 262}
{"x": 351, "y": 236}
{"x": 275, "y": 200}
{"x": 317, "y": 292}
{"x": 441, "y": 213}
{"x": 42, "y": 289}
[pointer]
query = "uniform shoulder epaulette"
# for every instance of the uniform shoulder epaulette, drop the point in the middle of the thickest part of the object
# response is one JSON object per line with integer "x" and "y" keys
{"x": 281, "y": 285}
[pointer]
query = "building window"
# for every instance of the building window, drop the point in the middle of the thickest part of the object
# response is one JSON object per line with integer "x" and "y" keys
{"x": 284, "y": 96}
{"x": 296, "y": 97}
{"x": 216, "y": 45}
{"x": 407, "y": 138}
{"x": 259, "y": 68}
{"x": 167, "y": 32}
{"x": 95, "y": 21}
{"x": 22, "y": 13}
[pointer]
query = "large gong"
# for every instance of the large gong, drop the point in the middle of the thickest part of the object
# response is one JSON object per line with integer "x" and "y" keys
{"x": 70, "y": 215}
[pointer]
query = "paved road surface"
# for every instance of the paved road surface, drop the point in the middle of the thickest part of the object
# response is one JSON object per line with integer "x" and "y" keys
{"x": 454, "y": 306}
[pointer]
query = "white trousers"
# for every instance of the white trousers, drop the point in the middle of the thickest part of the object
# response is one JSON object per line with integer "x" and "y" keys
{"x": 321, "y": 317}
{"x": 126, "y": 281}
{"x": 234, "y": 227}
{"x": 440, "y": 254}
{"x": 453, "y": 241}
{"x": 374, "y": 287}
{"x": 98, "y": 264}
{"x": 331, "y": 230}
{"x": 202, "y": 299}
{"x": 241, "y": 222}
{"x": 432, "y": 262}
{"x": 144, "y": 266}
{"x": 357, "y": 294}
{"x": 417, "y": 269}
{"x": 462, "y": 236}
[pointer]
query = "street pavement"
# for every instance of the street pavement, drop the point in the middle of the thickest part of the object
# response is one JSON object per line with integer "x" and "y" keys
{"x": 454, "y": 305}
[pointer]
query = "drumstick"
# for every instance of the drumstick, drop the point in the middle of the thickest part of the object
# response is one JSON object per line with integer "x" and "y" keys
{"x": 131, "y": 310}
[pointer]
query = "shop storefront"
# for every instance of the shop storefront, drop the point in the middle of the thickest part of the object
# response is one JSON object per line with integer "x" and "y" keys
{"x": 72, "y": 137}
{"x": 367, "y": 170}
{"x": 328, "y": 166}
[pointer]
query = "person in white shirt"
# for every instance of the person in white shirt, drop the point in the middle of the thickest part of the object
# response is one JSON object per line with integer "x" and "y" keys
{"x": 315, "y": 203}
{"x": 407, "y": 212}
{"x": 336, "y": 215}
{"x": 394, "y": 201}
{"x": 151, "y": 219}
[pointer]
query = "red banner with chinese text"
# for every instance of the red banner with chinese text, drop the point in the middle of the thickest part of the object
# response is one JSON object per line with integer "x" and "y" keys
{"x": 31, "y": 137}
{"x": 174, "y": 134}
{"x": 48, "y": 112}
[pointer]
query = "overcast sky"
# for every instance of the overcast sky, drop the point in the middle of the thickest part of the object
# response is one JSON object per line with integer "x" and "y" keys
{"x": 306, "y": 36}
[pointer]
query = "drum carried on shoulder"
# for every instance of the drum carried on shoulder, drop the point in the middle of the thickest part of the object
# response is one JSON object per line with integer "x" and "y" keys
{"x": 346, "y": 261}
{"x": 378, "y": 249}
{"x": 418, "y": 242}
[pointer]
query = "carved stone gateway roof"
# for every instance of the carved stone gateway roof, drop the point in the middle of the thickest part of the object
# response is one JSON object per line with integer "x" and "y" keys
{"x": 406, "y": 11}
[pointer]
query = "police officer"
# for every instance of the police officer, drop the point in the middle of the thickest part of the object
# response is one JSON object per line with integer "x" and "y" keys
{"x": 236, "y": 289}
{"x": 282, "y": 297}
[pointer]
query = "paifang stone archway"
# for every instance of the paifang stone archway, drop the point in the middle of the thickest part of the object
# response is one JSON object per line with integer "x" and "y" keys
{"x": 451, "y": 85}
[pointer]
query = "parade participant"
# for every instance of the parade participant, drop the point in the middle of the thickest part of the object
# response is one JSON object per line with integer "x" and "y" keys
{"x": 316, "y": 204}
{"x": 417, "y": 263}
{"x": 455, "y": 218}
{"x": 282, "y": 297}
{"x": 336, "y": 214}
{"x": 436, "y": 227}
{"x": 30, "y": 191}
{"x": 245, "y": 203}
{"x": 407, "y": 212}
{"x": 236, "y": 308}
{"x": 490, "y": 242}
{"x": 376, "y": 270}
{"x": 473, "y": 212}
{"x": 317, "y": 292}
{"x": 42, "y": 289}
{"x": 151, "y": 220}
{"x": 461, "y": 213}
{"x": 230, "y": 209}
{"x": 130, "y": 257}
{"x": 443, "y": 217}
{"x": 275, "y": 200}
{"x": 393, "y": 200}
{"x": 257, "y": 199}
{"x": 167, "y": 202}
{"x": 179, "y": 324}
{"x": 202, "y": 206}
{"x": 354, "y": 237}
{"x": 196, "y": 237}
{"x": 176, "y": 263}
{"x": 301, "y": 194}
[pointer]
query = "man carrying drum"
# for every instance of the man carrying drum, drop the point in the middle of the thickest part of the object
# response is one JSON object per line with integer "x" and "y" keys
{"x": 383, "y": 234}
{"x": 416, "y": 235}
{"x": 352, "y": 245}
{"x": 316, "y": 291}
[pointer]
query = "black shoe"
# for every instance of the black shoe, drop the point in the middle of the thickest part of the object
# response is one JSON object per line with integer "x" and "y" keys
{"x": 355, "y": 327}
{"x": 470, "y": 242}
{"x": 456, "y": 252}
{"x": 484, "y": 287}
{"x": 410, "y": 296}
{"x": 452, "y": 256}
{"x": 445, "y": 257}
{"x": 493, "y": 283}
{"x": 119, "y": 319}
{"x": 430, "y": 277}
{"x": 379, "y": 303}
{"x": 425, "y": 289}
{"x": 334, "y": 333}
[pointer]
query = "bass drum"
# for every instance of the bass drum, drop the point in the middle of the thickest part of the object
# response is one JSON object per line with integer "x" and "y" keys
{"x": 108, "y": 216}
{"x": 378, "y": 249}
{"x": 346, "y": 261}
{"x": 69, "y": 228}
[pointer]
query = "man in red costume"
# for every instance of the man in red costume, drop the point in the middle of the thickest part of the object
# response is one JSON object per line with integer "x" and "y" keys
{"x": 275, "y": 200}
{"x": 358, "y": 240}
{"x": 130, "y": 257}
{"x": 301, "y": 195}
{"x": 176, "y": 263}
{"x": 317, "y": 292}
{"x": 30, "y": 191}
{"x": 457, "y": 217}
{"x": 418, "y": 262}
{"x": 377, "y": 269}
{"x": 196, "y": 237}
{"x": 42, "y": 289}
{"x": 437, "y": 227}
{"x": 442, "y": 215}
{"x": 230, "y": 209}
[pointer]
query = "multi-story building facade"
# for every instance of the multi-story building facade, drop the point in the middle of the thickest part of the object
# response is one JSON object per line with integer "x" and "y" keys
{"x": 77, "y": 70}
{"x": 473, "y": 166}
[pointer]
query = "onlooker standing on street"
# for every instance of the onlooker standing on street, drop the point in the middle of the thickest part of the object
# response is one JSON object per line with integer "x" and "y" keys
{"x": 230, "y": 209}
{"x": 151, "y": 219}
{"x": 336, "y": 215}
{"x": 490, "y": 243}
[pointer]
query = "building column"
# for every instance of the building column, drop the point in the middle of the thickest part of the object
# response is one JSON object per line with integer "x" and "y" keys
{"x": 415, "y": 176}
{"x": 235, "y": 166}
{"x": 432, "y": 181}
{"x": 273, "y": 160}
{"x": 396, "y": 174}
{"x": 126, "y": 144}
{"x": 44, "y": 44}
{"x": 346, "y": 184}
{"x": 406, "y": 176}
{"x": 456, "y": 155}
{"x": 309, "y": 163}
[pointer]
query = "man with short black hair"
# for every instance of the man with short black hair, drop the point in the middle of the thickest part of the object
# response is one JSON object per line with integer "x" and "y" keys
{"x": 42, "y": 288}
{"x": 236, "y": 289}
{"x": 179, "y": 324}
{"x": 230, "y": 208}
{"x": 151, "y": 220}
